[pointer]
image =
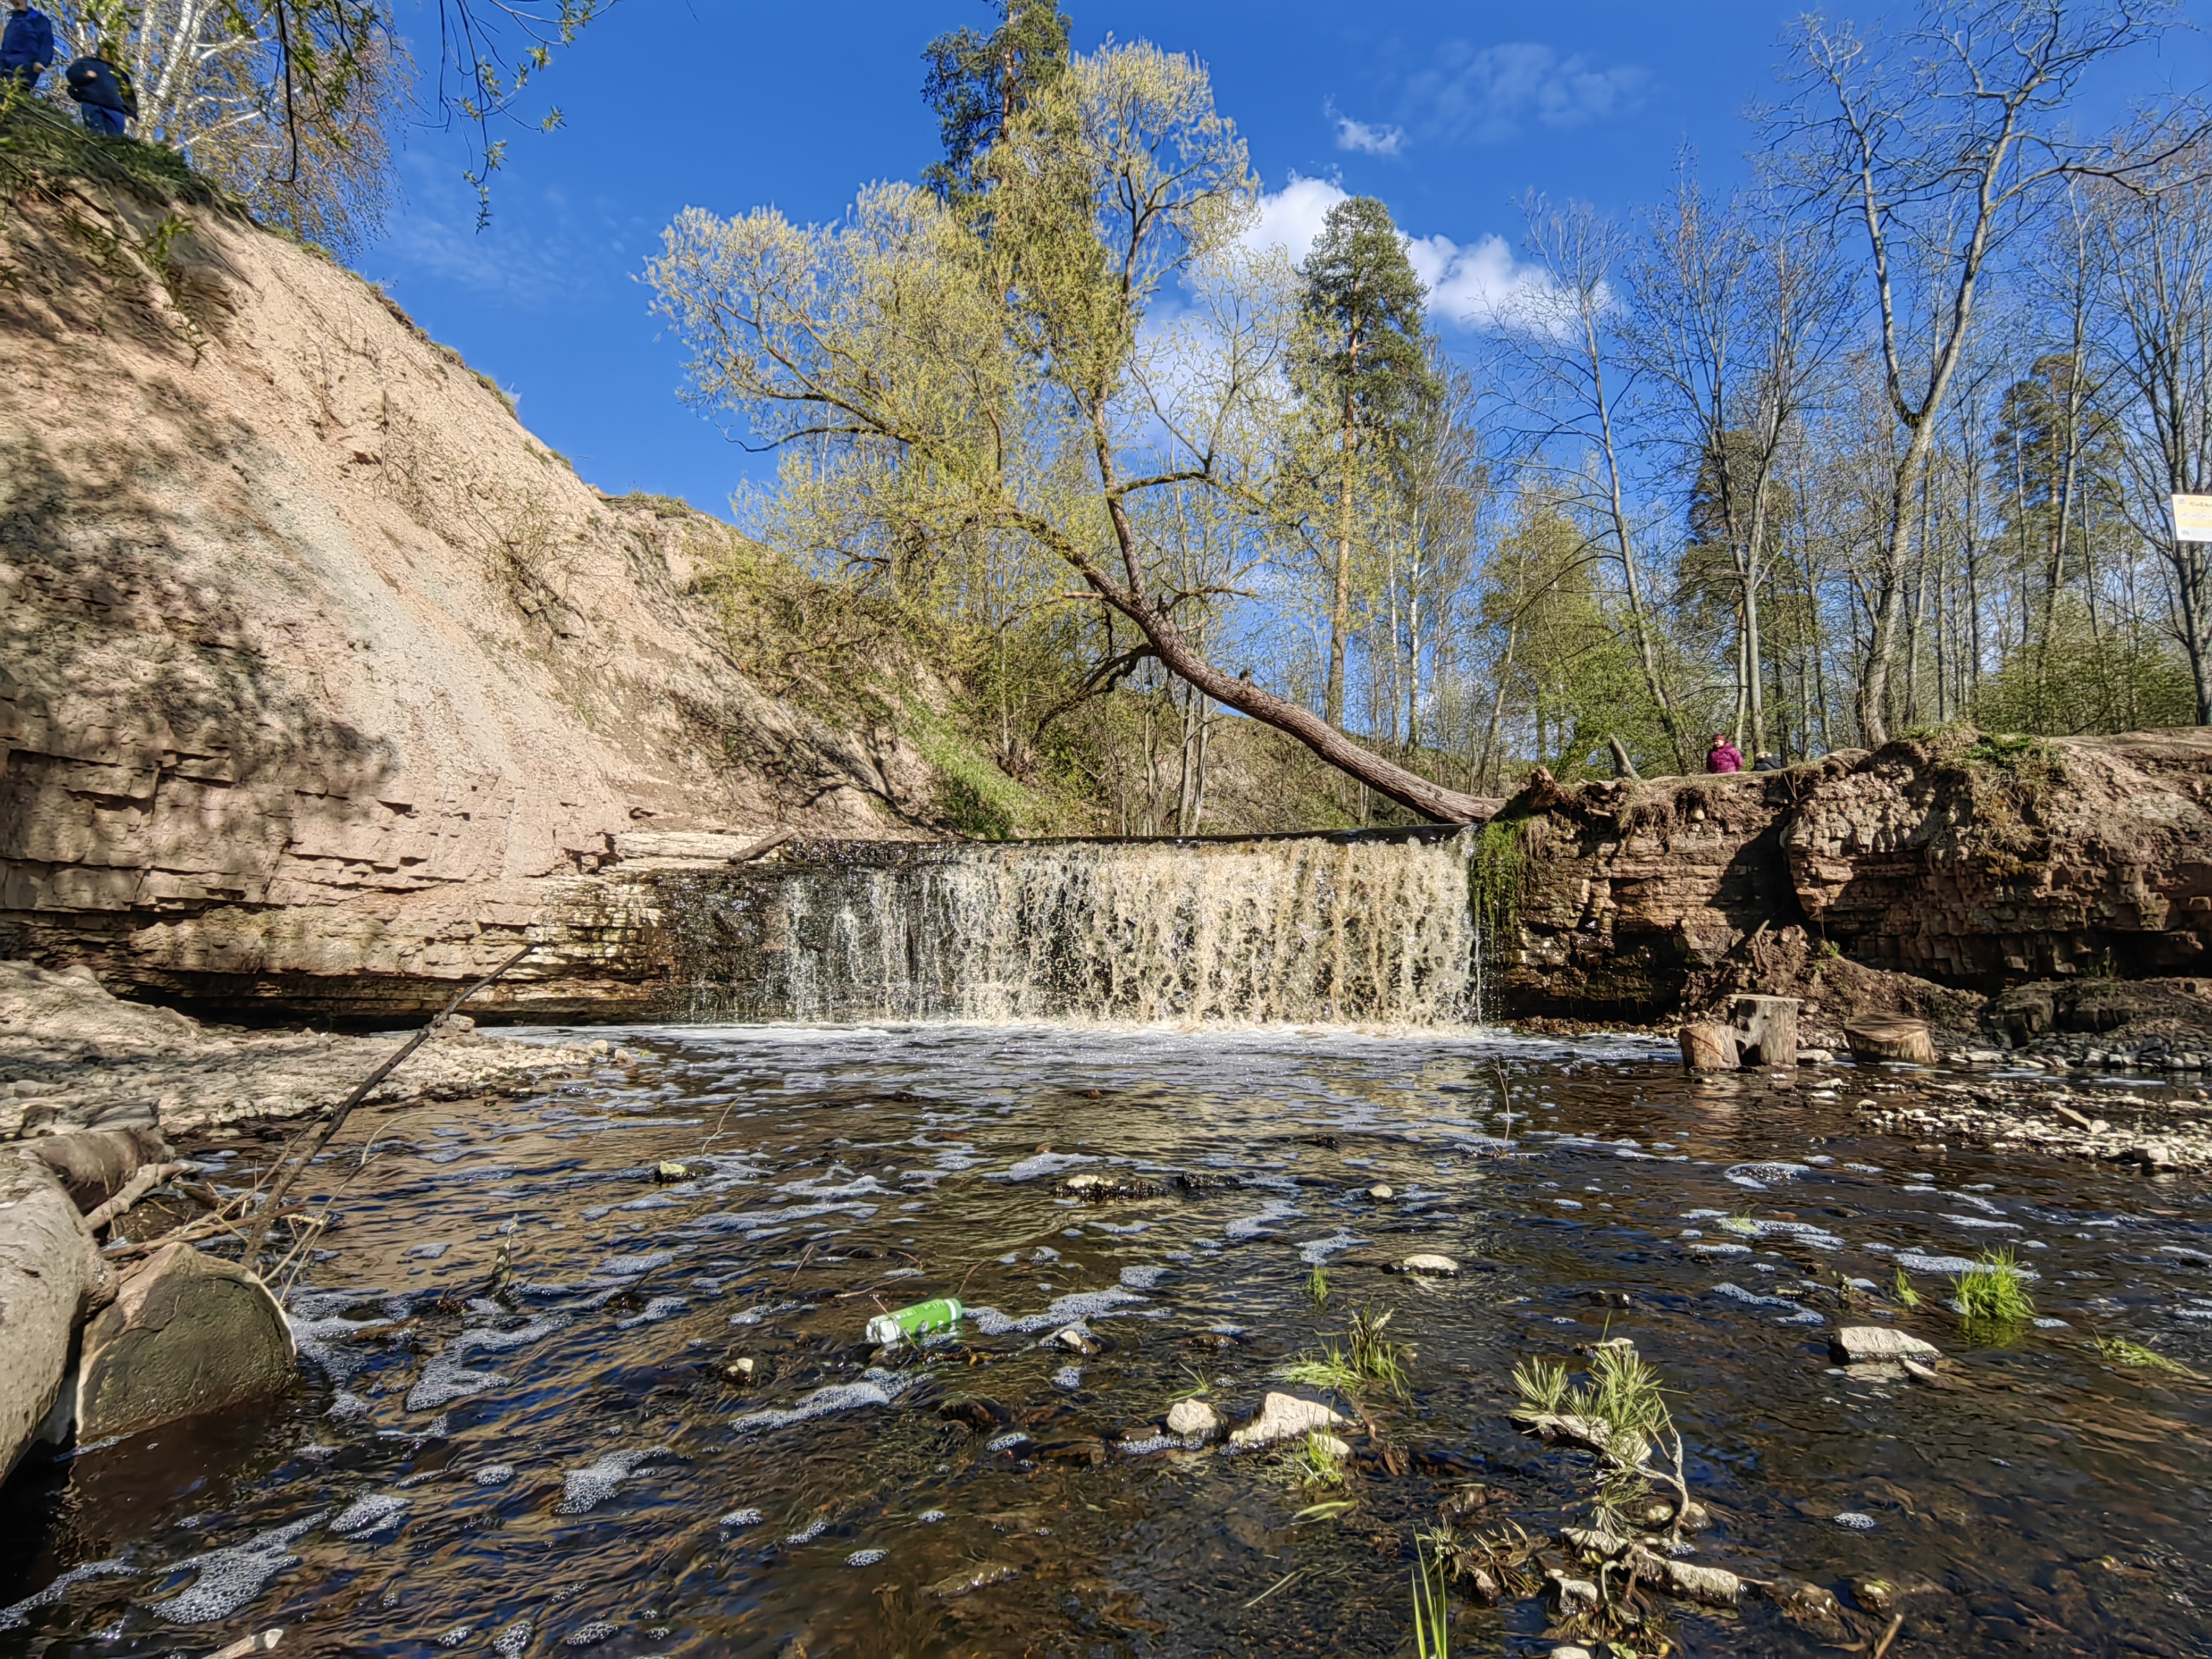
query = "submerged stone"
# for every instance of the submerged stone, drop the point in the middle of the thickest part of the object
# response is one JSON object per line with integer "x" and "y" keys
{"x": 1193, "y": 1420}
{"x": 1860, "y": 1344}
{"x": 1442, "y": 1267}
{"x": 1284, "y": 1417}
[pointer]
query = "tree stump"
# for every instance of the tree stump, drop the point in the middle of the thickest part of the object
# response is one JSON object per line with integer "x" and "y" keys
{"x": 1890, "y": 1036}
{"x": 1709, "y": 1047}
{"x": 1768, "y": 1026}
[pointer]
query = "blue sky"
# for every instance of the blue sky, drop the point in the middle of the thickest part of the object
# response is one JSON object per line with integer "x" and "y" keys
{"x": 1448, "y": 112}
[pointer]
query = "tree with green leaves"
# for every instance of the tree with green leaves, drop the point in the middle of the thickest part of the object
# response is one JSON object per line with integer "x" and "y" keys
{"x": 979, "y": 84}
{"x": 927, "y": 385}
{"x": 1366, "y": 369}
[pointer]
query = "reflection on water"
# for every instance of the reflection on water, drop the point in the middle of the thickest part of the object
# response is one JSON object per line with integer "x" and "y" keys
{"x": 572, "y": 1467}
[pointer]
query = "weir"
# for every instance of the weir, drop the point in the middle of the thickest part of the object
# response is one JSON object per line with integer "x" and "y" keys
{"x": 1368, "y": 928}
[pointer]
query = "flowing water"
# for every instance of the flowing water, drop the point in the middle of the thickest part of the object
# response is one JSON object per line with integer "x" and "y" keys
{"x": 567, "y": 1467}
{"x": 1358, "y": 926}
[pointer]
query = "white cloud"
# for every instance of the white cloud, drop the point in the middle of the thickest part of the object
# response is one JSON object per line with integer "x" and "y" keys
{"x": 1488, "y": 95}
{"x": 1292, "y": 217}
{"x": 1477, "y": 284}
{"x": 1365, "y": 138}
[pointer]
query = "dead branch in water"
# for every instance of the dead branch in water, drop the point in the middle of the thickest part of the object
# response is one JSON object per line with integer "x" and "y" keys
{"x": 267, "y": 1212}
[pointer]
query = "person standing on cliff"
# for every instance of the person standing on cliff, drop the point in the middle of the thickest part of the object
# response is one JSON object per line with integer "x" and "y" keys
{"x": 1723, "y": 756}
{"x": 103, "y": 90}
{"x": 26, "y": 46}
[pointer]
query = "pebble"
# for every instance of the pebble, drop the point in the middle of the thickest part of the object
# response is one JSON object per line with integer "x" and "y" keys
{"x": 1193, "y": 1420}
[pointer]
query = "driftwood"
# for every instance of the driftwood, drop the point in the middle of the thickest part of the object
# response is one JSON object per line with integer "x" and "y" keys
{"x": 130, "y": 1192}
{"x": 1890, "y": 1036}
{"x": 762, "y": 847}
{"x": 94, "y": 1164}
{"x": 267, "y": 1211}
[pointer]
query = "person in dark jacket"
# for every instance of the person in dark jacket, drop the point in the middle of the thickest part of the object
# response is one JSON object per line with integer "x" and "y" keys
{"x": 26, "y": 46}
{"x": 103, "y": 91}
{"x": 1723, "y": 756}
{"x": 1765, "y": 762}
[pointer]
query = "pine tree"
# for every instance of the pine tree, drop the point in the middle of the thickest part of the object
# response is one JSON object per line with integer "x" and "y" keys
{"x": 979, "y": 84}
{"x": 1368, "y": 370}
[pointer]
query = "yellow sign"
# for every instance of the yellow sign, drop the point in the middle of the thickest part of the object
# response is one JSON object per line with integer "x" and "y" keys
{"x": 2192, "y": 518}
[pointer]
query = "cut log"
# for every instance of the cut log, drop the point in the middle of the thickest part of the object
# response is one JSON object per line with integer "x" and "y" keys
{"x": 1890, "y": 1036}
{"x": 1769, "y": 1029}
{"x": 50, "y": 1274}
{"x": 1709, "y": 1047}
{"x": 187, "y": 1333}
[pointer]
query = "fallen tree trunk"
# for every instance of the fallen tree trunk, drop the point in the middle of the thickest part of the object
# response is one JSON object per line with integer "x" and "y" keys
{"x": 51, "y": 1277}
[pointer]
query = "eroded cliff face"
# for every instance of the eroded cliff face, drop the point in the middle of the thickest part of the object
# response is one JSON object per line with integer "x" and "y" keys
{"x": 315, "y": 667}
{"x": 1969, "y": 862}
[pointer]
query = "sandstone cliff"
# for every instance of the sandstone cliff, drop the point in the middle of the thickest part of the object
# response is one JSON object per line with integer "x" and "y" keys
{"x": 314, "y": 663}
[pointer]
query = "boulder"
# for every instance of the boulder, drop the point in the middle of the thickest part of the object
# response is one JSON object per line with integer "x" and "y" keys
{"x": 187, "y": 1333}
{"x": 1285, "y": 1417}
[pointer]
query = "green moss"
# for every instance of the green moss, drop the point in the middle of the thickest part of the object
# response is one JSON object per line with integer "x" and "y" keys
{"x": 1497, "y": 878}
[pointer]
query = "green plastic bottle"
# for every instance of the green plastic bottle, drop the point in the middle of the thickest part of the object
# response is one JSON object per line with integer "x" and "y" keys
{"x": 889, "y": 1330}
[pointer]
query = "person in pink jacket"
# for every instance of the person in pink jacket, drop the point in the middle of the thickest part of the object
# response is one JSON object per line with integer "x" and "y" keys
{"x": 1723, "y": 756}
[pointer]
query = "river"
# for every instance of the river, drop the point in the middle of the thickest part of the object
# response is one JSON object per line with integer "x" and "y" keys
{"x": 569, "y": 1466}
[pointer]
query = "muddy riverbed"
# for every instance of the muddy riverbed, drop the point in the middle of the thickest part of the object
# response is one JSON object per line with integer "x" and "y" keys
{"x": 570, "y": 1465}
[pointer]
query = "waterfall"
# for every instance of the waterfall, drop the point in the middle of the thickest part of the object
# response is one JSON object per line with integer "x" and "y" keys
{"x": 1371, "y": 929}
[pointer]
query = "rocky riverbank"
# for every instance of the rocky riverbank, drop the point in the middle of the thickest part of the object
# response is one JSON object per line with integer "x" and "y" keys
{"x": 73, "y": 1056}
{"x": 2156, "y": 1132}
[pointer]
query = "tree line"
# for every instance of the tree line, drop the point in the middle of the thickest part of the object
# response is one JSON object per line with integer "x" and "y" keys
{"x": 1879, "y": 441}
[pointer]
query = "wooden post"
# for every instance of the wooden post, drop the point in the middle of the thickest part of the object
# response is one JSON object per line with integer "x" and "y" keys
{"x": 1769, "y": 1029}
{"x": 1890, "y": 1036}
{"x": 1709, "y": 1047}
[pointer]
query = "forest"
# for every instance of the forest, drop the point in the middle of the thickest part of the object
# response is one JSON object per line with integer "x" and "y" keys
{"x": 1879, "y": 441}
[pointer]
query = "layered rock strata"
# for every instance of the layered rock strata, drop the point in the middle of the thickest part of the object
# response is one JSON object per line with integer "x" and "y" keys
{"x": 1963, "y": 862}
{"x": 317, "y": 671}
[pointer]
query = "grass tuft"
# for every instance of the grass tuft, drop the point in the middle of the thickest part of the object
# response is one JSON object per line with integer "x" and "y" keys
{"x": 1903, "y": 1291}
{"x": 1543, "y": 1385}
{"x": 1333, "y": 1370}
{"x": 1991, "y": 1293}
{"x": 1316, "y": 1465}
{"x": 1375, "y": 1356}
{"x": 1432, "y": 1607}
{"x": 2121, "y": 1351}
{"x": 1317, "y": 1288}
